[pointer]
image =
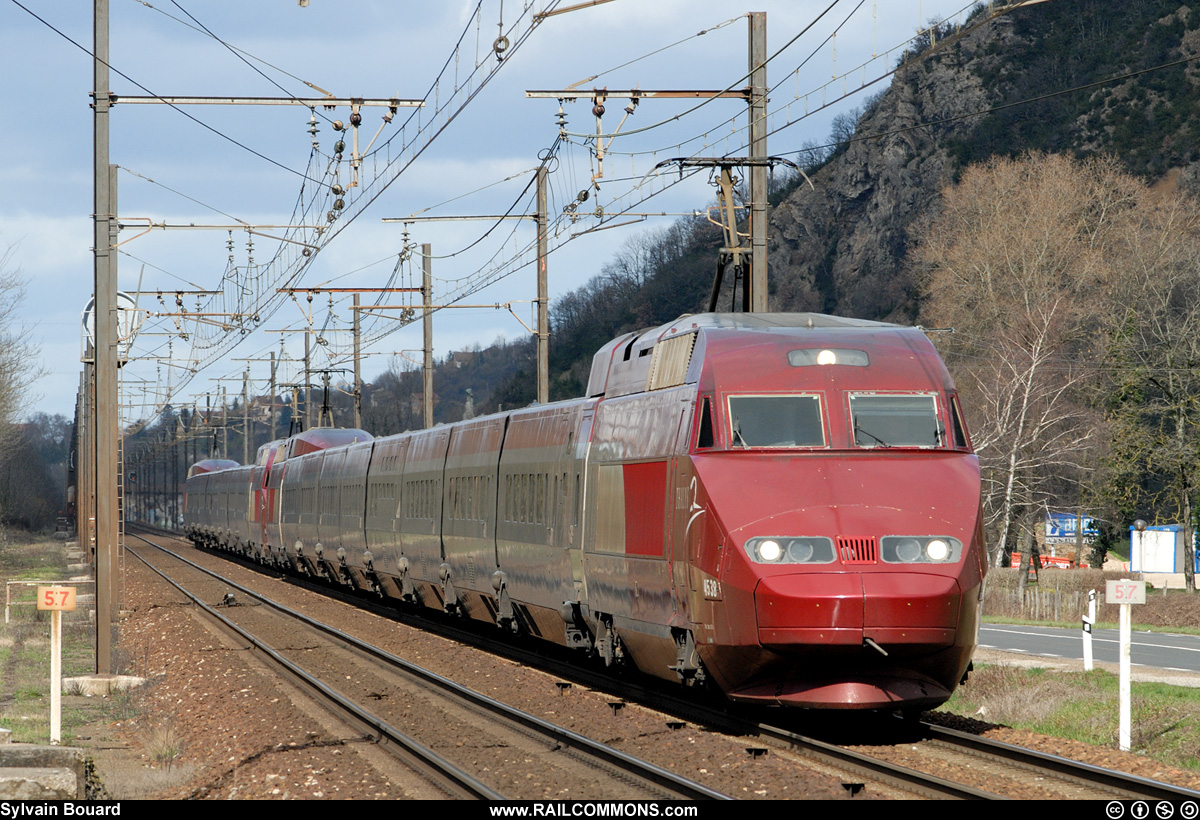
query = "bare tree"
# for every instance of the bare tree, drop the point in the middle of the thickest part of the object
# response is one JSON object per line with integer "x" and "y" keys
{"x": 18, "y": 362}
{"x": 630, "y": 266}
{"x": 18, "y": 370}
{"x": 1015, "y": 263}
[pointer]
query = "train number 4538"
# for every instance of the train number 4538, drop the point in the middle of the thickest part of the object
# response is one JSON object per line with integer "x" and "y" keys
{"x": 712, "y": 589}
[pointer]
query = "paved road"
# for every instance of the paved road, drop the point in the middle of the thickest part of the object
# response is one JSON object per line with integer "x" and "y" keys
{"x": 1178, "y": 653}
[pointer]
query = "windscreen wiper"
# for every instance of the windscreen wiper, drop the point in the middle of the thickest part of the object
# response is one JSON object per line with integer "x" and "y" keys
{"x": 859, "y": 431}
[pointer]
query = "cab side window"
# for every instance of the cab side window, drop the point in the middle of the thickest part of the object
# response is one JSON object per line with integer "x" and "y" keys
{"x": 704, "y": 431}
{"x": 959, "y": 427}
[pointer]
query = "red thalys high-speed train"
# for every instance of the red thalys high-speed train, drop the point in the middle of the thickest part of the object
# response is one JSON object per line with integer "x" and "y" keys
{"x": 784, "y": 505}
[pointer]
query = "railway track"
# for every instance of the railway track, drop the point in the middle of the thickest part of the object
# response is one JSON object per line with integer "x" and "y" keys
{"x": 420, "y": 715}
{"x": 915, "y": 761}
{"x": 910, "y": 760}
{"x": 1090, "y": 781}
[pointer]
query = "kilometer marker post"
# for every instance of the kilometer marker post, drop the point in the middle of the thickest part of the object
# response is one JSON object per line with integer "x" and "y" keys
{"x": 56, "y": 600}
{"x": 1125, "y": 593}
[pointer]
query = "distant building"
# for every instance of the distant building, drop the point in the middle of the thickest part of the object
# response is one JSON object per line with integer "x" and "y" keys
{"x": 463, "y": 357}
{"x": 1158, "y": 549}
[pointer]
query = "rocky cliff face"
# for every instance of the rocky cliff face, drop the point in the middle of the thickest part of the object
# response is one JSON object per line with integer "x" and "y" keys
{"x": 1076, "y": 76}
{"x": 840, "y": 249}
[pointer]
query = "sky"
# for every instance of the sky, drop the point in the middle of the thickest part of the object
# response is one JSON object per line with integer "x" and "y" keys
{"x": 471, "y": 150}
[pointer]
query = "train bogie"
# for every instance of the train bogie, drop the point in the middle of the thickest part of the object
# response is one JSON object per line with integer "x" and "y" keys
{"x": 784, "y": 506}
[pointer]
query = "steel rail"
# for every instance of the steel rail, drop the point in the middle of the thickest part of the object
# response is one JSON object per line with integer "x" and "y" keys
{"x": 664, "y": 778}
{"x": 1122, "y": 784}
{"x": 427, "y": 759}
{"x": 891, "y": 774}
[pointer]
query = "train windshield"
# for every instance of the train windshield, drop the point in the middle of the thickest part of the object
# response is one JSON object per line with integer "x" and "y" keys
{"x": 895, "y": 420}
{"x": 776, "y": 421}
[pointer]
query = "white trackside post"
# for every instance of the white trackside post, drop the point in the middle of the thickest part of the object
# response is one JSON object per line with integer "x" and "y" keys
{"x": 1125, "y": 688}
{"x": 56, "y": 600}
{"x": 1088, "y": 620}
{"x": 1125, "y": 593}
{"x": 55, "y": 677}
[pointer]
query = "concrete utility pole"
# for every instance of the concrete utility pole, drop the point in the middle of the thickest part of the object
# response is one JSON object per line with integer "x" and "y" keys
{"x": 325, "y": 416}
{"x": 296, "y": 420}
{"x": 246, "y": 416}
{"x": 357, "y": 367}
{"x": 757, "y": 285}
{"x": 308, "y": 422}
{"x": 273, "y": 389}
{"x": 225, "y": 422}
{"x": 543, "y": 293}
{"x": 105, "y": 315}
{"x": 427, "y": 324}
{"x": 178, "y": 471}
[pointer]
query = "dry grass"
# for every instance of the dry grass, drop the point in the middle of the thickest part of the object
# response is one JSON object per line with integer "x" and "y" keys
{"x": 163, "y": 742}
{"x": 1083, "y": 706}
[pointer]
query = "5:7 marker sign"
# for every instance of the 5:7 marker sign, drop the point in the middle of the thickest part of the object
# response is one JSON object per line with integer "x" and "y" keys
{"x": 1125, "y": 591}
{"x": 56, "y": 598}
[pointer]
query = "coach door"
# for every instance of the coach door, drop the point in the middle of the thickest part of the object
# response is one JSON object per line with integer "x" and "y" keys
{"x": 578, "y": 493}
{"x": 264, "y": 495}
{"x": 679, "y": 510}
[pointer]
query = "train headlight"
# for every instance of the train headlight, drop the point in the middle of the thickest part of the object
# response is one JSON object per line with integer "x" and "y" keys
{"x": 770, "y": 550}
{"x": 920, "y": 549}
{"x": 800, "y": 550}
{"x": 790, "y": 550}
{"x": 908, "y": 550}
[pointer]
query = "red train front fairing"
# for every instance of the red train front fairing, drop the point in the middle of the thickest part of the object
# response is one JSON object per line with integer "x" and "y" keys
{"x": 851, "y": 629}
